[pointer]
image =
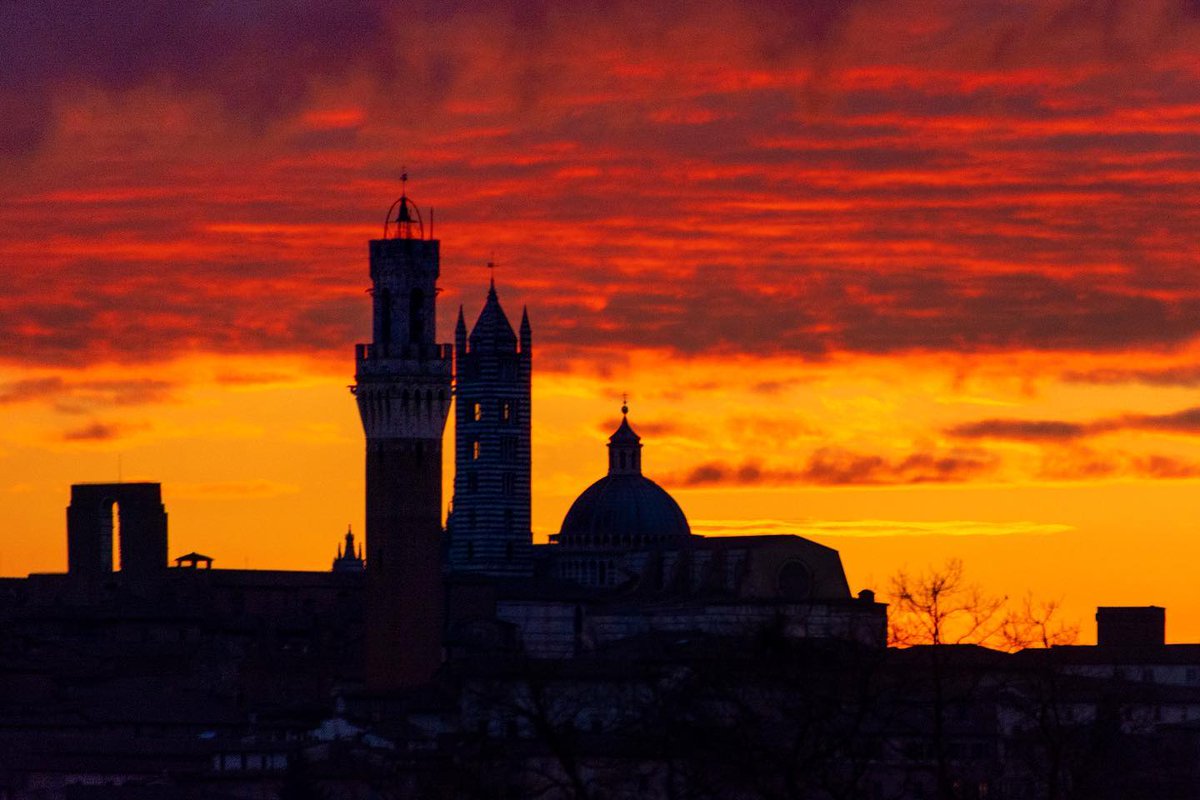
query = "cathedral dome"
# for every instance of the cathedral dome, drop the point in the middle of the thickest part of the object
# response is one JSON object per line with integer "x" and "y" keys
{"x": 624, "y": 508}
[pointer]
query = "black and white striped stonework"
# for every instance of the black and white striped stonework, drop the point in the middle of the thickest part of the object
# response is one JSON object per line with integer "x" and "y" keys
{"x": 489, "y": 523}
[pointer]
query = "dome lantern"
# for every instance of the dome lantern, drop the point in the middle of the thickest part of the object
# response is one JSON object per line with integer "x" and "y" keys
{"x": 624, "y": 509}
{"x": 625, "y": 448}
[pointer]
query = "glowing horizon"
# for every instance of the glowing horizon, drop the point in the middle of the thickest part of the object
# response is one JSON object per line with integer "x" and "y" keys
{"x": 915, "y": 280}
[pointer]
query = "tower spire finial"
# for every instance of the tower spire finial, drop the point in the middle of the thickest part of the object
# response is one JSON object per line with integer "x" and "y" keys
{"x": 625, "y": 404}
{"x": 491, "y": 265}
{"x": 408, "y": 217}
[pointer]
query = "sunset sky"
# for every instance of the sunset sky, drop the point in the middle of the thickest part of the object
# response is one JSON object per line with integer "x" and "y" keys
{"x": 916, "y": 279}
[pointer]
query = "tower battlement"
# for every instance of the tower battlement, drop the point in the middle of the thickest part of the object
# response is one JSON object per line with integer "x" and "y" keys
{"x": 374, "y": 360}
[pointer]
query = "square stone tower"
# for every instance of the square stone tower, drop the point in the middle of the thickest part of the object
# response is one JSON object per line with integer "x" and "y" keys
{"x": 402, "y": 385}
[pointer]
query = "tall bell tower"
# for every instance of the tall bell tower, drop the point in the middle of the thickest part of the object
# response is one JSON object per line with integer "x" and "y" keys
{"x": 402, "y": 385}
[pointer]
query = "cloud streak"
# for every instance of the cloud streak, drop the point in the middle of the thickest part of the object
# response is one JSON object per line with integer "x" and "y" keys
{"x": 75, "y": 396}
{"x": 95, "y": 432}
{"x": 1185, "y": 421}
{"x": 872, "y": 528}
{"x": 1083, "y": 464}
{"x": 1186, "y": 376}
{"x": 832, "y": 466}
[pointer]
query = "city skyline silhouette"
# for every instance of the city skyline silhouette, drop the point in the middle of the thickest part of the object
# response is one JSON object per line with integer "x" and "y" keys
{"x": 915, "y": 285}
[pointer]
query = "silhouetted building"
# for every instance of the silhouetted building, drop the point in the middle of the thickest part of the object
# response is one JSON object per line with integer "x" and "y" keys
{"x": 402, "y": 384}
{"x": 348, "y": 558}
{"x": 625, "y": 565}
{"x": 488, "y": 527}
{"x": 1130, "y": 626}
{"x": 622, "y": 511}
{"x": 193, "y": 560}
{"x": 142, "y": 521}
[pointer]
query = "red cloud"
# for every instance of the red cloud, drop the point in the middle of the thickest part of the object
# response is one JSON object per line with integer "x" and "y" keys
{"x": 698, "y": 177}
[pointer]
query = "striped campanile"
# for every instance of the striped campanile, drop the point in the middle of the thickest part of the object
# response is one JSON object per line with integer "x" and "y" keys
{"x": 402, "y": 385}
{"x": 489, "y": 527}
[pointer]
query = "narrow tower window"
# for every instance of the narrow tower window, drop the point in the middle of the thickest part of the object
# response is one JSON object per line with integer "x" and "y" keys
{"x": 385, "y": 316}
{"x": 416, "y": 316}
{"x": 477, "y": 411}
{"x": 475, "y": 450}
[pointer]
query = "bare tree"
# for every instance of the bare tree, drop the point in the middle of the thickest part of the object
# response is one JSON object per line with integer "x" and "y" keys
{"x": 940, "y": 607}
{"x": 1046, "y": 742}
{"x": 1037, "y": 624}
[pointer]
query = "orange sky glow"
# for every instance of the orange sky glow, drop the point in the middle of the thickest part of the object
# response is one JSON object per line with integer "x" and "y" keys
{"x": 918, "y": 280}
